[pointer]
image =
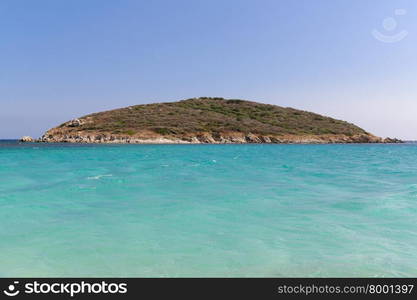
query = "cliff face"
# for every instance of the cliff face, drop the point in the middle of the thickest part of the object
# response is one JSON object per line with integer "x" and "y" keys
{"x": 208, "y": 120}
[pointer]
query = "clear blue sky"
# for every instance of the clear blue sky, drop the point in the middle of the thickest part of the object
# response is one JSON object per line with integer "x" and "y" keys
{"x": 63, "y": 59}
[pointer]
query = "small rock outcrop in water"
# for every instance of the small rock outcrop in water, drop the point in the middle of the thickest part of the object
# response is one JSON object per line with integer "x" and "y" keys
{"x": 392, "y": 140}
{"x": 27, "y": 139}
{"x": 209, "y": 121}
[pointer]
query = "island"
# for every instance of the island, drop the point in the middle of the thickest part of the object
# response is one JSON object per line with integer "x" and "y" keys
{"x": 208, "y": 120}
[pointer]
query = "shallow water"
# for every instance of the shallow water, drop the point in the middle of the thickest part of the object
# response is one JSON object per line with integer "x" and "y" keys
{"x": 208, "y": 210}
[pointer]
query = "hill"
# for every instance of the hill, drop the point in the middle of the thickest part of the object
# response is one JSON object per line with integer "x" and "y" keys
{"x": 208, "y": 120}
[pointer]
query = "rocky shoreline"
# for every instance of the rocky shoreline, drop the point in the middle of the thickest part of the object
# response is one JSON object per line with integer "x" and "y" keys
{"x": 205, "y": 138}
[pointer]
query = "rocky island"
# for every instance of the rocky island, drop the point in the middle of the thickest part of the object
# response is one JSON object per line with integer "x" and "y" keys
{"x": 208, "y": 120}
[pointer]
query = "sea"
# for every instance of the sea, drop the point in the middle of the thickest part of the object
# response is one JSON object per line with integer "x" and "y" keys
{"x": 72, "y": 210}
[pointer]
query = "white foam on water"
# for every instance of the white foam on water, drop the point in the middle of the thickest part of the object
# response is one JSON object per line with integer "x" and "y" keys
{"x": 99, "y": 176}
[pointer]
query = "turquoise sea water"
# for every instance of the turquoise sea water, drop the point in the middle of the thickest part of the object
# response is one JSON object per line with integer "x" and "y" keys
{"x": 208, "y": 210}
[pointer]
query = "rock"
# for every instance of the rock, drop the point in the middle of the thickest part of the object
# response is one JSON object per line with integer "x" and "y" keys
{"x": 251, "y": 138}
{"x": 75, "y": 123}
{"x": 27, "y": 139}
{"x": 206, "y": 138}
{"x": 392, "y": 140}
{"x": 265, "y": 139}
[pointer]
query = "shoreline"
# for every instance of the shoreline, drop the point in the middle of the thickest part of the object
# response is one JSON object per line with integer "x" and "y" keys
{"x": 184, "y": 142}
{"x": 207, "y": 138}
{"x": 72, "y": 135}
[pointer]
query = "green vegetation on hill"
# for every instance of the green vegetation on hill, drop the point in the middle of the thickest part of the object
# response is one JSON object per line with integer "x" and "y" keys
{"x": 215, "y": 115}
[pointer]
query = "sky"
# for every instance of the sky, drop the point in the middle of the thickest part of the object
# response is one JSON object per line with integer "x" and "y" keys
{"x": 349, "y": 59}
